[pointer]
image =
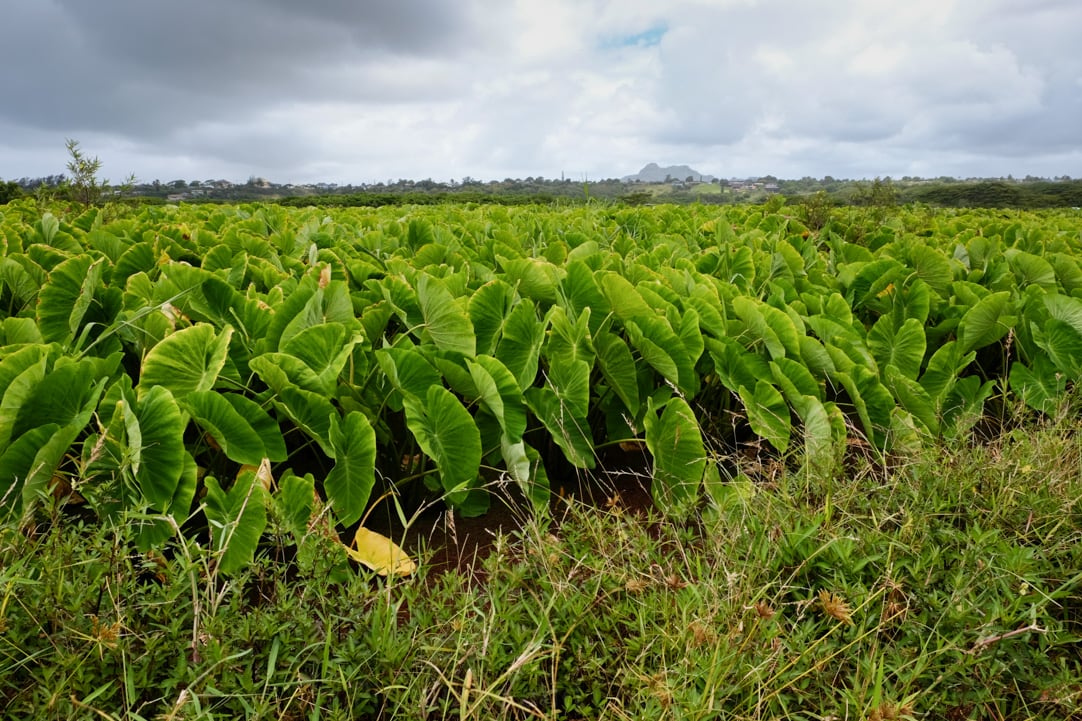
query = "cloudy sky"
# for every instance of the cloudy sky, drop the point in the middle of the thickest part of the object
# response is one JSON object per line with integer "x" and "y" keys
{"x": 354, "y": 91}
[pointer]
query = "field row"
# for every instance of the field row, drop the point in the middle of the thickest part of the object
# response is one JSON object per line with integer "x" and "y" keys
{"x": 267, "y": 361}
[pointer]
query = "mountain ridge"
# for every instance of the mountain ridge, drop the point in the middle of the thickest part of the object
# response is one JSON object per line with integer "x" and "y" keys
{"x": 654, "y": 173}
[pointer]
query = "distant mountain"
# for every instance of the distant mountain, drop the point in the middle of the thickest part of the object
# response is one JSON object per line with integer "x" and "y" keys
{"x": 653, "y": 173}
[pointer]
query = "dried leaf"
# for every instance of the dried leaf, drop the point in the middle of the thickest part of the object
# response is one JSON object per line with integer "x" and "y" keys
{"x": 835, "y": 607}
{"x": 262, "y": 473}
{"x": 380, "y": 553}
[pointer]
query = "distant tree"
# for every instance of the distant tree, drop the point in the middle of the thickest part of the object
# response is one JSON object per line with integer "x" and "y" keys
{"x": 84, "y": 185}
{"x": 9, "y": 191}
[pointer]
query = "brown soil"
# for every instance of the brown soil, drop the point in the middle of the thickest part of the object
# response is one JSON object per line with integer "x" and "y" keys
{"x": 447, "y": 541}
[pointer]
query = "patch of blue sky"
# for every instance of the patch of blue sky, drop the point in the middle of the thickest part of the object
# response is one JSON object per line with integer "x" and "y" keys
{"x": 647, "y": 38}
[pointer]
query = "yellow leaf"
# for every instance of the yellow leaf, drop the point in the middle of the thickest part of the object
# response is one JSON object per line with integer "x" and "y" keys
{"x": 262, "y": 473}
{"x": 380, "y": 553}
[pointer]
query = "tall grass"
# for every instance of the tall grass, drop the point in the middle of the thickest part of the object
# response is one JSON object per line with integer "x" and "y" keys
{"x": 946, "y": 585}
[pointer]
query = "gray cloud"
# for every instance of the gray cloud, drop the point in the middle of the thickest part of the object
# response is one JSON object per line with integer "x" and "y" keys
{"x": 351, "y": 91}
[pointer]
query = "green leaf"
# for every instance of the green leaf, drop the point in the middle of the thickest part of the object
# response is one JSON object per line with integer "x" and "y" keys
{"x": 872, "y": 401}
{"x": 1031, "y": 269}
{"x": 20, "y": 375}
{"x": 310, "y": 412}
{"x": 407, "y": 370}
{"x": 1064, "y": 346}
{"x": 571, "y": 434}
{"x": 274, "y": 447}
{"x": 904, "y": 349}
{"x": 943, "y": 370}
{"x": 656, "y": 355}
{"x": 570, "y": 379}
{"x": 278, "y": 370}
{"x": 794, "y": 379}
{"x": 237, "y": 517}
{"x": 913, "y": 398}
{"x": 161, "y": 453}
{"x": 768, "y": 414}
{"x": 680, "y": 460}
{"x": 186, "y": 361}
{"x": 819, "y": 447}
{"x": 1066, "y": 309}
{"x": 27, "y": 465}
{"x": 520, "y": 347}
{"x": 67, "y": 296}
{"x": 617, "y": 367}
{"x": 325, "y": 349}
{"x": 445, "y": 322}
{"x": 19, "y": 331}
{"x": 499, "y": 394}
{"x": 1040, "y": 387}
{"x": 986, "y": 322}
{"x": 447, "y": 434}
{"x": 626, "y": 302}
{"x": 488, "y": 308}
{"x": 349, "y": 484}
{"x": 294, "y": 500}
{"x": 579, "y": 292}
{"x": 233, "y": 434}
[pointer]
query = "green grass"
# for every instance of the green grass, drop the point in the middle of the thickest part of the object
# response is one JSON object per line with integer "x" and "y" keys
{"x": 947, "y": 585}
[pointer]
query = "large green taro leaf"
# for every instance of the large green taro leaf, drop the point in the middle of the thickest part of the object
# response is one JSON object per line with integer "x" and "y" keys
{"x": 499, "y": 394}
{"x": 769, "y": 325}
{"x": 159, "y": 447}
{"x": 520, "y": 346}
{"x": 1031, "y": 269}
{"x": 902, "y": 348}
{"x": 447, "y": 434}
{"x": 1040, "y": 387}
{"x": 820, "y": 448}
{"x": 680, "y": 462}
{"x": 618, "y": 368}
{"x": 489, "y": 307}
{"x": 325, "y": 349}
{"x": 626, "y": 302}
{"x": 67, "y": 297}
{"x": 580, "y": 292}
{"x": 236, "y": 437}
{"x": 570, "y": 433}
{"x": 872, "y": 401}
{"x": 1066, "y": 309}
{"x": 408, "y": 371}
{"x": 262, "y": 423}
{"x": 768, "y": 413}
{"x": 349, "y": 484}
{"x": 17, "y": 281}
{"x": 445, "y": 322}
{"x": 237, "y": 517}
{"x": 1064, "y": 346}
{"x": 67, "y": 395}
{"x": 570, "y": 380}
{"x": 19, "y": 331}
{"x": 311, "y": 412}
{"x": 912, "y": 396}
{"x": 186, "y": 361}
{"x": 27, "y": 465}
{"x": 986, "y": 322}
{"x": 943, "y": 369}
{"x": 20, "y": 374}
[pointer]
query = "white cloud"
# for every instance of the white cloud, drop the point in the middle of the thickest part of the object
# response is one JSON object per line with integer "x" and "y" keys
{"x": 351, "y": 92}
